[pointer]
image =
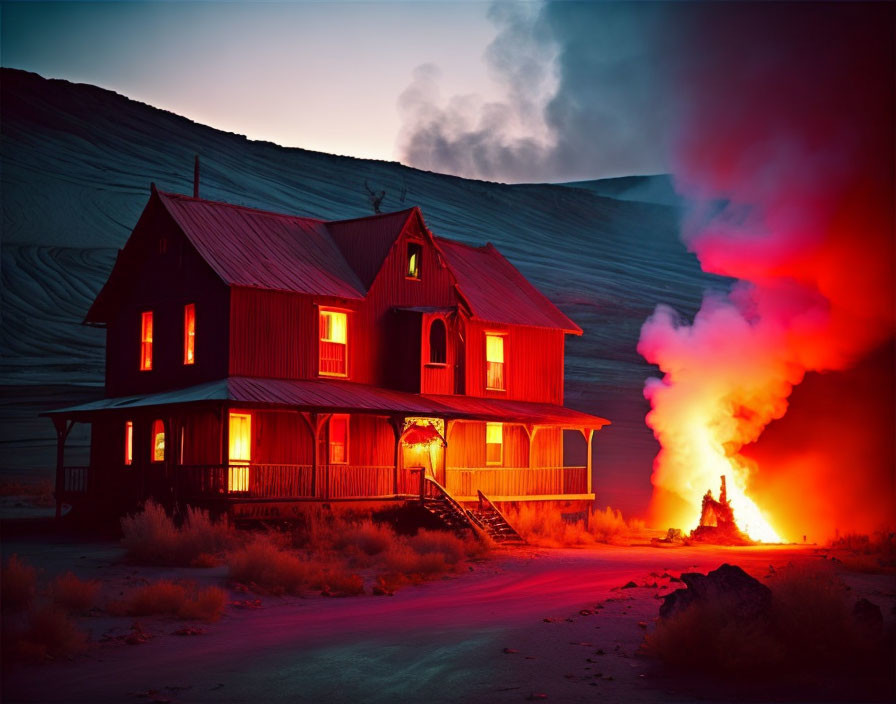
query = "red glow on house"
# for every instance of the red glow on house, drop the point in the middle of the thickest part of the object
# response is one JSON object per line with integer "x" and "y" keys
{"x": 347, "y": 360}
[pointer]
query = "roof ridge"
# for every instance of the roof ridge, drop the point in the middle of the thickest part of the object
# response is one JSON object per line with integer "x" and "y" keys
{"x": 236, "y": 206}
{"x": 371, "y": 217}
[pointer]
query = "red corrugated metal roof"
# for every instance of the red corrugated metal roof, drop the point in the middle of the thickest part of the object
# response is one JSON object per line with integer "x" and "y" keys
{"x": 497, "y": 292}
{"x": 332, "y": 395}
{"x": 254, "y": 248}
{"x": 365, "y": 242}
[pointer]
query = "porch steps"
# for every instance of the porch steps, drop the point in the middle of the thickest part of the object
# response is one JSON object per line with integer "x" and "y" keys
{"x": 486, "y": 518}
{"x": 494, "y": 523}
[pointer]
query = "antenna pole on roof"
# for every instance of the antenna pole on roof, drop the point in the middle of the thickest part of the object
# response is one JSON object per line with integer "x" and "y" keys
{"x": 196, "y": 177}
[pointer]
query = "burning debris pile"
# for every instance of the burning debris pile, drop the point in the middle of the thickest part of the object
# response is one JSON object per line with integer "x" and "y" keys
{"x": 717, "y": 524}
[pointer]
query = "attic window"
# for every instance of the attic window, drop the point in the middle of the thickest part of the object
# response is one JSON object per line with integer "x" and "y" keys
{"x": 333, "y": 343}
{"x": 146, "y": 341}
{"x": 415, "y": 253}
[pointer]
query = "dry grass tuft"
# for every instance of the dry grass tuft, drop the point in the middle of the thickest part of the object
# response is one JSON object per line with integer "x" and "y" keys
{"x": 152, "y": 537}
{"x": 49, "y": 633}
{"x": 18, "y": 585}
{"x": 166, "y": 598}
{"x": 73, "y": 594}
{"x": 544, "y": 526}
{"x": 266, "y": 565}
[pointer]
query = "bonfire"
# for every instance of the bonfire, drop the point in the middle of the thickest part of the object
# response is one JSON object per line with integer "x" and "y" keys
{"x": 717, "y": 524}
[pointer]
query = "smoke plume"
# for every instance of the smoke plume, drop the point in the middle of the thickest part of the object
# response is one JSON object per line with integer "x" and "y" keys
{"x": 783, "y": 138}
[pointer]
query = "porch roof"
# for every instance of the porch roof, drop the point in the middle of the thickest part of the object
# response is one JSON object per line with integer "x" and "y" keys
{"x": 329, "y": 395}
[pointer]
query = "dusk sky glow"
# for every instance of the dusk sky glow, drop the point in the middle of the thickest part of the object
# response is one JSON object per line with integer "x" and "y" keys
{"x": 321, "y": 76}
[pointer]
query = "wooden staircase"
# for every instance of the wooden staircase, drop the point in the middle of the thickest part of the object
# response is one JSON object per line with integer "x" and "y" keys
{"x": 486, "y": 518}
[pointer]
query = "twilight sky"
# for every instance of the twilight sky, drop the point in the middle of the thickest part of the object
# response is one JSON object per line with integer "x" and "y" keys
{"x": 503, "y": 91}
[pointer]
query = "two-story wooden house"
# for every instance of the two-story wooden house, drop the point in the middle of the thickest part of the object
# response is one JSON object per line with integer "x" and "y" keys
{"x": 256, "y": 360}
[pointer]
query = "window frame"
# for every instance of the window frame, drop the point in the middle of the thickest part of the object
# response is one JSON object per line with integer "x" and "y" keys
{"x": 238, "y": 468}
{"x": 503, "y": 337}
{"x": 500, "y": 461}
{"x": 152, "y": 441}
{"x": 343, "y": 417}
{"x": 189, "y": 334}
{"x": 415, "y": 247}
{"x": 146, "y": 340}
{"x": 322, "y": 311}
{"x": 444, "y": 362}
{"x": 129, "y": 443}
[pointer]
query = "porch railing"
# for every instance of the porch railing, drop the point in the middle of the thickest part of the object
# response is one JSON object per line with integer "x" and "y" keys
{"x": 286, "y": 481}
{"x": 74, "y": 480}
{"x": 516, "y": 481}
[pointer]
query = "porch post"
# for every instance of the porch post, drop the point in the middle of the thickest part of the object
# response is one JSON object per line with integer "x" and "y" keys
{"x": 62, "y": 430}
{"x": 311, "y": 423}
{"x": 530, "y": 433}
{"x": 396, "y": 422}
{"x": 589, "y": 436}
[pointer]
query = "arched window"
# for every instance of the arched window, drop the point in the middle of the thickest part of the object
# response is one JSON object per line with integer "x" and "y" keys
{"x": 158, "y": 441}
{"x": 437, "y": 342}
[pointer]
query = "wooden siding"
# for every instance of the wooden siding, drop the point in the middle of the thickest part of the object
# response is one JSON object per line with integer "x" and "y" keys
{"x": 392, "y": 289}
{"x": 466, "y": 445}
{"x": 533, "y": 363}
{"x": 439, "y": 378}
{"x": 547, "y": 448}
{"x": 281, "y": 438}
{"x": 170, "y": 276}
{"x": 371, "y": 441}
{"x": 274, "y": 334}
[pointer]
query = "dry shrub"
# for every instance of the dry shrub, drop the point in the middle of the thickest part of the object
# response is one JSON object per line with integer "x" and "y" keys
{"x": 49, "y": 633}
{"x": 366, "y": 538}
{"x": 40, "y": 493}
{"x": 166, "y": 598}
{"x": 545, "y": 526}
{"x": 809, "y": 628}
{"x": 152, "y": 537}
{"x": 18, "y": 585}
{"x": 74, "y": 594}
{"x": 266, "y": 565}
{"x": 875, "y": 553}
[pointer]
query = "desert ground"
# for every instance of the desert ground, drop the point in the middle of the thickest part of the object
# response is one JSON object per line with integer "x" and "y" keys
{"x": 523, "y": 624}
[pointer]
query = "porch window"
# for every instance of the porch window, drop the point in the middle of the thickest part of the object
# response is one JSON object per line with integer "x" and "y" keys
{"x": 437, "y": 342}
{"x": 240, "y": 451}
{"x": 333, "y": 343}
{"x": 129, "y": 442}
{"x": 146, "y": 341}
{"x": 415, "y": 253}
{"x": 190, "y": 333}
{"x": 158, "y": 441}
{"x": 494, "y": 443}
{"x": 494, "y": 362}
{"x": 339, "y": 439}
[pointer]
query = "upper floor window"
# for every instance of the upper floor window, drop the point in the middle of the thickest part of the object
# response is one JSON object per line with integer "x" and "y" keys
{"x": 240, "y": 451}
{"x": 494, "y": 443}
{"x": 338, "y": 440}
{"x": 158, "y": 441}
{"x": 437, "y": 342}
{"x": 190, "y": 333}
{"x": 333, "y": 343}
{"x": 494, "y": 362}
{"x": 146, "y": 341}
{"x": 129, "y": 442}
{"x": 415, "y": 253}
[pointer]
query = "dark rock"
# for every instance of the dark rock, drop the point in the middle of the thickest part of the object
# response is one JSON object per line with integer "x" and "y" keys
{"x": 868, "y": 614}
{"x": 745, "y": 597}
{"x": 629, "y": 585}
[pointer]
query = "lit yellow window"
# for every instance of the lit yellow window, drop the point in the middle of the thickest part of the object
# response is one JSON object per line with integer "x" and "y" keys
{"x": 158, "y": 441}
{"x": 129, "y": 442}
{"x": 190, "y": 333}
{"x": 494, "y": 362}
{"x": 494, "y": 443}
{"x": 333, "y": 343}
{"x": 415, "y": 252}
{"x": 146, "y": 341}
{"x": 240, "y": 451}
